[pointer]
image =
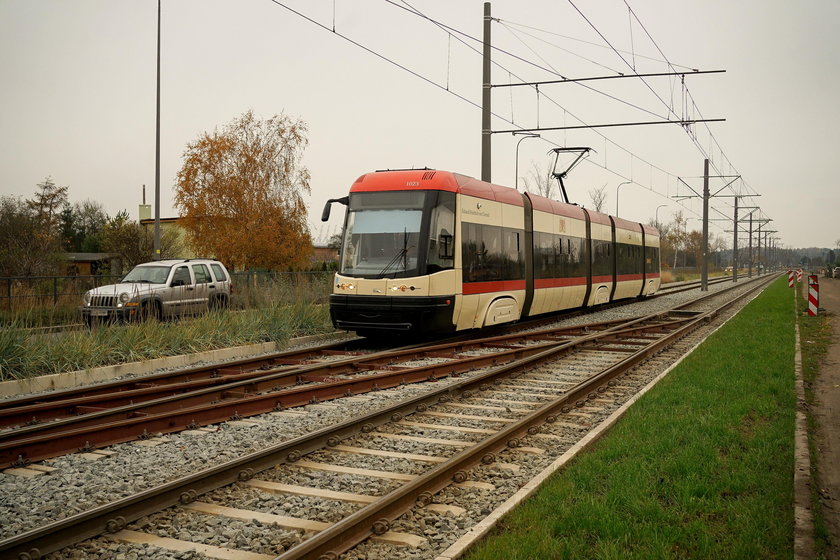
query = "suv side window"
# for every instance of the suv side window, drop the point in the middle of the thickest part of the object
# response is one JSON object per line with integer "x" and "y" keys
{"x": 202, "y": 275}
{"x": 218, "y": 272}
{"x": 181, "y": 276}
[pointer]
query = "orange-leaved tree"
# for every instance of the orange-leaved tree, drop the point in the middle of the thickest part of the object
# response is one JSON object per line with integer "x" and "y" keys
{"x": 240, "y": 193}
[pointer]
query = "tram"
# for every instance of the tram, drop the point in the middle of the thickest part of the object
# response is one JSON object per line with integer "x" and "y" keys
{"x": 429, "y": 251}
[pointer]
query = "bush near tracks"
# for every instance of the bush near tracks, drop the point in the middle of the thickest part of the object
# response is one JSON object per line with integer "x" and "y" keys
{"x": 22, "y": 355}
{"x": 700, "y": 467}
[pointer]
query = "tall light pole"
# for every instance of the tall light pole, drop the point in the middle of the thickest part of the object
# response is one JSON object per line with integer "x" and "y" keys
{"x": 486, "y": 112}
{"x": 516, "y": 164}
{"x": 616, "y": 194}
{"x": 656, "y": 214}
{"x": 157, "y": 149}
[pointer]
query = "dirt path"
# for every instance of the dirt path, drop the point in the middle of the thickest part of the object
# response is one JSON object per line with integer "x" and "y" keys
{"x": 827, "y": 413}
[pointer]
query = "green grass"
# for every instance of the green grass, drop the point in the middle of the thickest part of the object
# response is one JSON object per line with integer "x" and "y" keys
{"x": 700, "y": 467}
{"x": 22, "y": 355}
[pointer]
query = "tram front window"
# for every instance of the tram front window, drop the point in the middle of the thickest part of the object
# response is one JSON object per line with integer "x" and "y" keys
{"x": 382, "y": 234}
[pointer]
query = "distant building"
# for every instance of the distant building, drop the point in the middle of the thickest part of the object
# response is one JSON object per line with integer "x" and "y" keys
{"x": 322, "y": 253}
{"x": 88, "y": 264}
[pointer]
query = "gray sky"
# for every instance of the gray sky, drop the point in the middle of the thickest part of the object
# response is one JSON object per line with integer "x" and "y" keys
{"x": 77, "y": 100}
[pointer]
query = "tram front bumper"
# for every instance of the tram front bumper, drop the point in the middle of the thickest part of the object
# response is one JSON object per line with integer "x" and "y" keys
{"x": 389, "y": 313}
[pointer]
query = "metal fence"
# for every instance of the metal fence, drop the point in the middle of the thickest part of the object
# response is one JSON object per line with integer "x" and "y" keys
{"x": 250, "y": 288}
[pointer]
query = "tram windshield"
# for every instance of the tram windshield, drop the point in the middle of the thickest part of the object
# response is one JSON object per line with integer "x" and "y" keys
{"x": 387, "y": 234}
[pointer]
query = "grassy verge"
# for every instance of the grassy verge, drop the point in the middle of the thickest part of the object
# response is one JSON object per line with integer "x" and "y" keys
{"x": 815, "y": 336}
{"x": 24, "y": 356}
{"x": 700, "y": 467}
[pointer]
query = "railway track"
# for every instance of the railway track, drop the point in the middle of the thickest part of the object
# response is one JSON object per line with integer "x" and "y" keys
{"x": 52, "y": 424}
{"x": 489, "y": 420}
{"x": 55, "y": 330}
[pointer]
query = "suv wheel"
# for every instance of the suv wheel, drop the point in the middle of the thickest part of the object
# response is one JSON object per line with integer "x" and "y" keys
{"x": 218, "y": 302}
{"x": 150, "y": 310}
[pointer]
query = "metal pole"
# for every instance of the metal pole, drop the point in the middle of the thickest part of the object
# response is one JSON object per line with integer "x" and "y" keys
{"x": 157, "y": 149}
{"x": 516, "y": 163}
{"x": 656, "y": 214}
{"x": 735, "y": 245}
{"x": 616, "y": 194}
{"x": 704, "y": 268}
{"x": 749, "y": 270}
{"x": 758, "y": 253}
{"x": 485, "y": 99}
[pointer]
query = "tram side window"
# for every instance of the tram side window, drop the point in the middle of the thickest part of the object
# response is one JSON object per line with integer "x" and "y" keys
{"x": 513, "y": 259}
{"x": 545, "y": 257}
{"x": 576, "y": 257}
{"x": 602, "y": 258}
{"x": 628, "y": 258}
{"x": 651, "y": 259}
{"x": 481, "y": 250}
{"x": 441, "y": 255}
{"x": 491, "y": 253}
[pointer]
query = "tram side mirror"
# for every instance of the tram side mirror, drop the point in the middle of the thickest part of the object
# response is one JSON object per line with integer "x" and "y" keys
{"x": 325, "y": 215}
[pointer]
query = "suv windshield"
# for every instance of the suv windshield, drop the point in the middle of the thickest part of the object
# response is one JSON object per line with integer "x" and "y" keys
{"x": 149, "y": 274}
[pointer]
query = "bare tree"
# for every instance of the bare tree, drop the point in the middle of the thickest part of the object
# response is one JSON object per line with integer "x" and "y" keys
{"x": 598, "y": 197}
{"x": 539, "y": 181}
{"x": 677, "y": 235}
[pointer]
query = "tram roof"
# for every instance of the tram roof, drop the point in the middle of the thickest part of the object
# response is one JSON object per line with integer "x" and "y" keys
{"x": 434, "y": 179}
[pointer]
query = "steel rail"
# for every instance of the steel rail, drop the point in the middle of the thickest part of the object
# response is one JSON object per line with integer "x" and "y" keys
{"x": 247, "y": 397}
{"x": 189, "y": 373}
{"x": 113, "y": 517}
{"x": 236, "y": 400}
{"x": 35, "y": 408}
{"x": 375, "y": 518}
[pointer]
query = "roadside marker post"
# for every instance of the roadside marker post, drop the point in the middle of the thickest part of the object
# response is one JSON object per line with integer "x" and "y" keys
{"x": 790, "y": 279}
{"x": 813, "y": 295}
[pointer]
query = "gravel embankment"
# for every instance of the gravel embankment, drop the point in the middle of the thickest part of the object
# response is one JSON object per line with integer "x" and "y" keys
{"x": 79, "y": 484}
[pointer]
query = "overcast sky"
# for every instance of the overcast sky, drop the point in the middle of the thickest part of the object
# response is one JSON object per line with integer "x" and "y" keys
{"x": 77, "y": 100}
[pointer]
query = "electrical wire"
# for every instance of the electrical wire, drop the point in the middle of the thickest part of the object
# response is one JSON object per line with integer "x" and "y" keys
{"x": 467, "y": 100}
{"x": 418, "y": 13}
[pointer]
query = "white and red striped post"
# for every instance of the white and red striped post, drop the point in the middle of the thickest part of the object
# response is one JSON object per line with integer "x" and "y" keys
{"x": 790, "y": 279}
{"x": 813, "y": 295}
{"x": 799, "y": 275}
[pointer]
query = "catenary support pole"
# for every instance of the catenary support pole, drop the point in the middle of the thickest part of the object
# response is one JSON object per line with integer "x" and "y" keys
{"x": 486, "y": 135}
{"x": 749, "y": 269}
{"x": 735, "y": 245}
{"x": 156, "y": 256}
{"x": 704, "y": 266}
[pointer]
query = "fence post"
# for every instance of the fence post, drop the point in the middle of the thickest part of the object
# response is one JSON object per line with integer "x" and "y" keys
{"x": 55, "y": 290}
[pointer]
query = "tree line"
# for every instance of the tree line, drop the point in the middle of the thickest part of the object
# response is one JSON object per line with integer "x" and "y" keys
{"x": 36, "y": 233}
{"x": 239, "y": 195}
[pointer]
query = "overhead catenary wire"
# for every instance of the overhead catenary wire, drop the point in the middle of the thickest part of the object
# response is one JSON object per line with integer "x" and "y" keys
{"x": 686, "y": 97}
{"x": 455, "y": 33}
{"x": 584, "y": 41}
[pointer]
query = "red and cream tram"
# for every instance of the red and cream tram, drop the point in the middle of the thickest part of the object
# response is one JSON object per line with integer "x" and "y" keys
{"x": 434, "y": 251}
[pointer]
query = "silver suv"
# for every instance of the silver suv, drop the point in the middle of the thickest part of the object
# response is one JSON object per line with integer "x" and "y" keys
{"x": 160, "y": 289}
